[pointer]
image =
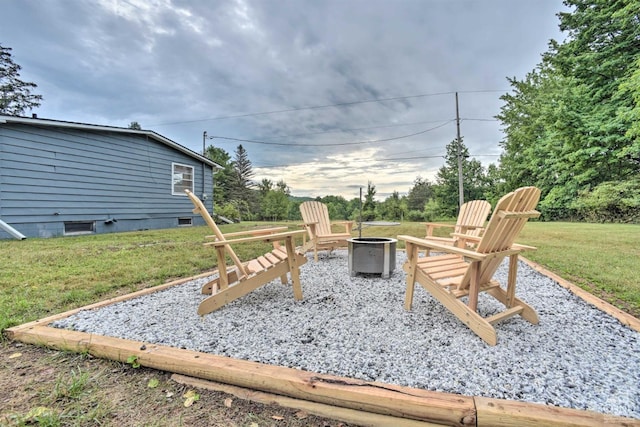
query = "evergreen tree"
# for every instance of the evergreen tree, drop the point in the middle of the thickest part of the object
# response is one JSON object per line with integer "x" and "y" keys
{"x": 369, "y": 205}
{"x": 15, "y": 94}
{"x": 394, "y": 208}
{"x": 473, "y": 178}
{"x": 241, "y": 189}
{"x": 419, "y": 194}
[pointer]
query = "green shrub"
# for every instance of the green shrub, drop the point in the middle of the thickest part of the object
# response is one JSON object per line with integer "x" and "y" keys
{"x": 613, "y": 201}
{"x": 415, "y": 216}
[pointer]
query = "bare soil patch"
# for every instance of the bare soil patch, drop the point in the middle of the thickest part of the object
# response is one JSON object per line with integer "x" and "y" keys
{"x": 39, "y": 386}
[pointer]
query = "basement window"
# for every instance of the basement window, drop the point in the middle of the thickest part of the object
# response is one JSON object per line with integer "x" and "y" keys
{"x": 184, "y": 222}
{"x": 181, "y": 179}
{"x": 79, "y": 227}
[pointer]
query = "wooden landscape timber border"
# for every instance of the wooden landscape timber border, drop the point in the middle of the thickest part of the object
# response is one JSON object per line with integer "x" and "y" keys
{"x": 345, "y": 399}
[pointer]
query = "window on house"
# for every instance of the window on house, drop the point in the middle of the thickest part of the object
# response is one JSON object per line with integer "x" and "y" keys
{"x": 184, "y": 221}
{"x": 182, "y": 179}
{"x": 79, "y": 227}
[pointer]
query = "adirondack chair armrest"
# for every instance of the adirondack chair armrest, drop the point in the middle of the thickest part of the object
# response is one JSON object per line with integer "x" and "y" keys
{"x": 523, "y": 248}
{"x": 347, "y": 225}
{"x": 308, "y": 224}
{"x": 310, "y": 227}
{"x": 266, "y": 238}
{"x": 256, "y": 232}
{"x": 432, "y": 225}
{"x": 431, "y": 245}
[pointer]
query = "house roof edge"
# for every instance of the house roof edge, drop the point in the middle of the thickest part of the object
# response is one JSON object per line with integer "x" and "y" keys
{"x": 76, "y": 125}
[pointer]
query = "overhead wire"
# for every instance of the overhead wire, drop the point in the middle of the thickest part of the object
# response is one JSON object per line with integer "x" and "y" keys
{"x": 315, "y": 107}
{"x": 335, "y": 144}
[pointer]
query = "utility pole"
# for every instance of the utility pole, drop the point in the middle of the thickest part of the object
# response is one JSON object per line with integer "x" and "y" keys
{"x": 204, "y": 169}
{"x": 460, "y": 185}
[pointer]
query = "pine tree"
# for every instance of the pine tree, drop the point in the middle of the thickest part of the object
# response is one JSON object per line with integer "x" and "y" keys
{"x": 241, "y": 189}
{"x": 15, "y": 94}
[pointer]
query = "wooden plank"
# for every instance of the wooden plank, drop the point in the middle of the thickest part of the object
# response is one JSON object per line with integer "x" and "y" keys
{"x": 398, "y": 401}
{"x": 319, "y": 409}
{"x": 454, "y": 273}
{"x": 272, "y": 258}
{"x": 513, "y": 311}
{"x": 507, "y": 413}
{"x": 264, "y": 262}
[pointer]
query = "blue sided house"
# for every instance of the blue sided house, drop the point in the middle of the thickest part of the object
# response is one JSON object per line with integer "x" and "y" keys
{"x": 61, "y": 178}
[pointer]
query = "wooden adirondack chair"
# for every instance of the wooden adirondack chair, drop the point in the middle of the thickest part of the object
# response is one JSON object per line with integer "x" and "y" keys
{"x": 318, "y": 226}
{"x": 242, "y": 278}
{"x": 463, "y": 272}
{"x": 470, "y": 222}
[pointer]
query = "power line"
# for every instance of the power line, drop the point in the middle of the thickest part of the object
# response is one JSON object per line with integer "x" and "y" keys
{"x": 353, "y": 129}
{"x": 479, "y": 120}
{"x": 316, "y": 107}
{"x": 332, "y": 144}
{"x": 442, "y": 156}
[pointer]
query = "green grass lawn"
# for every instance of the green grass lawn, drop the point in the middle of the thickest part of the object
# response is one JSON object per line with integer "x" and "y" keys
{"x": 40, "y": 277}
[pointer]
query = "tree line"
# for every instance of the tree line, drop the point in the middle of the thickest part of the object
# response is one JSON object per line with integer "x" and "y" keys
{"x": 572, "y": 124}
{"x": 237, "y": 196}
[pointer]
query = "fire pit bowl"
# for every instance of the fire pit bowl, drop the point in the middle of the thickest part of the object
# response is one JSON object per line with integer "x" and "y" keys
{"x": 375, "y": 255}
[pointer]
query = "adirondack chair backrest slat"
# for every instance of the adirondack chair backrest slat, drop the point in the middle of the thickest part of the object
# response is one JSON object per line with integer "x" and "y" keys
{"x": 202, "y": 210}
{"x": 509, "y": 217}
{"x": 473, "y": 213}
{"x": 314, "y": 211}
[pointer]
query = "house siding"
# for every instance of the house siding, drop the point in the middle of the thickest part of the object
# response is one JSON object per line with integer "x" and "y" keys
{"x": 50, "y": 175}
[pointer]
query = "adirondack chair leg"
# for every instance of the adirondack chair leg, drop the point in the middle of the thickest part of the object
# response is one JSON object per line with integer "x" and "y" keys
{"x": 511, "y": 281}
{"x": 222, "y": 268}
{"x": 412, "y": 260}
{"x": 473, "y": 286}
{"x": 294, "y": 261}
{"x": 295, "y": 275}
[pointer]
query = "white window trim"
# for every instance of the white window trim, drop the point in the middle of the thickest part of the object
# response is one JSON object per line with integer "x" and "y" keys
{"x": 193, "y": 174}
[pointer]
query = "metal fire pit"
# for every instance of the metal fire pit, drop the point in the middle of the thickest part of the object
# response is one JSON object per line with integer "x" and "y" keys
{"x": 375, "y": 255}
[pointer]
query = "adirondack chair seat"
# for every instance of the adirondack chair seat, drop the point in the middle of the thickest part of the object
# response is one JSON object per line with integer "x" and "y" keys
{"x": 462, "y": 272}
{"x": 318, "y": 227}
{"x": 233, "y": 282}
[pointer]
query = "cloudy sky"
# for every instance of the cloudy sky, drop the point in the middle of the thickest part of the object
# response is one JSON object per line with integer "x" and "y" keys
{"x": 332, "y": 94}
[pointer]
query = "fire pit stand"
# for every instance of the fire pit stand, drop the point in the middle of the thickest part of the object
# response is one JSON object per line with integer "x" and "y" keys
{"x": 375, "y": 255}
